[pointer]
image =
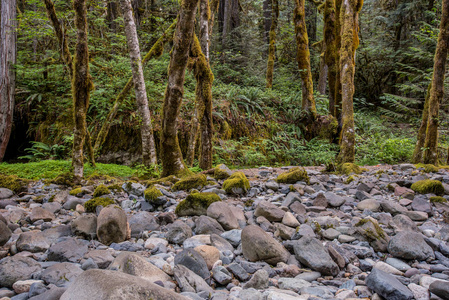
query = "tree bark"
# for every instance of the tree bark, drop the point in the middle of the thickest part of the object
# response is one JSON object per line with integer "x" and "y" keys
{"x": 272, "y": 43}
{"x": 81, "y": 86}
{"x": 349, "y": 16}
{"x": 8, "y": 56}
{"x": 322, "y": 80}
{"x": 437, "y": 89}
{"x": 421, "y": 139}
{"x": 337, "y": 89}
{"x": 111, "y": 15}
{"x": 267, "y": 19}
{"x": 146, "y": 129}
{"x": 193, "y": 137}
{"x": 171, "y": 156}
{"x": 331, "y": 51}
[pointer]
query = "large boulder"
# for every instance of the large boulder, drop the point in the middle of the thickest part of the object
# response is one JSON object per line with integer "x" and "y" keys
{"x": 85, "y": 226}
{"x": 410, "y": 245}
{"x": 387, "y": 286}
{"x": 259, "y": 245}
{"x": 221, "y": 212}
{"x": 311, "y": 252}
{"x": 110, "y": 285}
{"x": 15, "y": 268}
{"x": 112, "y": 225}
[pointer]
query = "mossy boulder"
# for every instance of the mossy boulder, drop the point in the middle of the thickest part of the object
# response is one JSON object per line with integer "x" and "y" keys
{"x": 376, "y": 236}
{"x": 14, "y": 183}
{"x": 428, "y": 168}
{"x": 196, "y": 204}
{"x": 67, "y": 179}
{"x": 237, "y": 183}
{"x": 348, "y": 168}
{"x": 91, "y": 205}
{"x": 101, "y": 190}
{"x": 165, "y": 181}
{"x": 222, "y": 172}
{"x": 116, "y": 188}
{"x": 154, "y": 196}
{"x": 76, "y": 191}
{"x": 191, "y": 182}
{"x": 293, "y": 175}
{"x": 428, "y": 186}
{"x": 438, "y": 199}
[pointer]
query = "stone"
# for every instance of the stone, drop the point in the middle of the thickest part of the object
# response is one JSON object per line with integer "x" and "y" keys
{"x": 111, "y": 285}
{"x": 85, "y": 226}
{"x": 258, "y": 245}
{"x": 141, "y": 222}
{"x": 258, "y": 281}
{"x": 290, "y": 220}
{"x": 15, "y": 268}
{"x": 38, "y": 213}
{"x": 440, "y": 288}
{"x": 369, "y": 204}
{"x": 387, "y": 286}
{"x": 193, "y": 261}
{"x": 5, "y": 193}
{"x": 234, "y": 236}
{"x": 40, "y": 241}
{"x": 221, "y": 275}
{"x": 398, "y": 264}
{"x": 238, "y": 271}
{"x": 404, "y": 192}
{"x": 410, "y": 245}
{"x": 294, "y": 284}
{"x": 404, "y": 223}
{"x": 207, "y": 225}
{"x": 310, "y": 252}
{"x": 270, "y": 211}
{"x": 221, "y": 212}
{"x": 419, "y": 292}
{"x": 53, "y": 293}
{"x": 320, "y": 200}
{"x": 387, "y": 268}
{"x": 133, "y": 188}
{"x": 196, "y": 240}
{"x": 23, "y": 286}
{"x": 371, "y": 230}
{"x": 61, "y": 274}
{"x": 331, "y": 234}
{"x": 52, "y": 207}
{"x": 334, "y": 200}
{"x": 71, "y": 250}
{"x": 210, "y": 254}
{"x": 5, "y": 233}
{"x": 421, "y": 204}
{"x": 112, "y": 225}
{"x": 309, "y": 276}
{"x": 283, "y": 231}
{"x": 178, "y": 232}
{"x": 102, "y": 258}
{"x": 152, "y": 243}
{"x": 188, "y": 281}
{"x": 393, "y": 208}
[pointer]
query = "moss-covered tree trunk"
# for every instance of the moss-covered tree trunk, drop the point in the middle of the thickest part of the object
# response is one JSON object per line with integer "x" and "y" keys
{"x": 337, "y": 89}
{"x": 437, "y": 89}
{"x": 418, "y": 152}
{"x": 8, "y": 57}
{"x": 155, "y": 52}
{"x": 171, "y": 156}
{"x": 331, "y": 51}
{"x": 81, "y": 86}
{"x": 303, "y": 59}
{"x": 322, "y": 79}
{"x": 193, "y": 137}
{"x": 349, "y": 16}
{"x": 146, "y": 129}
{"x": 272, "y": 42}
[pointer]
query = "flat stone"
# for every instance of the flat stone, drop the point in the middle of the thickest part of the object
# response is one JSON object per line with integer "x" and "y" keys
{"x": 440, "y": 288}
{"x": 61, "y": 274}
{"x": 38, "y": 213}
{"x": 221, "y": 212}
{"x": 141, "y": 222}
{"x": 410, "y": 245}
{"x": 15, "y": 268}
{"x": 294, "y": 284}
{"x": 71, "y": 250}
{"x": 387, "y": 286}
{"x": 311, "y": 252}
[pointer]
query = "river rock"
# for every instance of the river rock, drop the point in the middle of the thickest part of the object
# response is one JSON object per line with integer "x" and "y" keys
{"x": 312, "y": 253}
{"x": 71, "y": 250}
{"x": 193, "y": 261}
{"x": 85, "y": 226}
{"x": 270, "y": 211}
{"x": 5, "y": 233}
{"x": 221, "y": 212}
{"x": 112, "y": 226}
{"x": 141, "y": 222}
{"x": 410, "y": 245}
{"x": 15, "y": 268}
{"x": 178, "y": 232}
{"x": 61, "y": 274}
{"x": 387, "y": 286}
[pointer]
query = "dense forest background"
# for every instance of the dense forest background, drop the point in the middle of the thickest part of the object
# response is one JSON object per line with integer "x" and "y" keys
{"x": 253, "y": 125}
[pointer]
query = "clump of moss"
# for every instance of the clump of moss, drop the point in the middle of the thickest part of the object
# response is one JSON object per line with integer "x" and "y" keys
{"x": 101, "y": 190}
{"x": 222, "y": 172}
{"x": 348, "y": 168}
{"x": 151, "y": 194}
{"x": 116, "y": 188}
{"x": 196, "y": 204}
{"x": 67, "y": 179}
{"x": 293, "y": 175}
{"x": 428, "y": 168}
{"x": 249, "y": 202}
{"x": 165, "y": 181}
{"x": 191, "y": 182}
{"x": 14, "y": 183}
{"x": 375, "y": 235}
{"x": 76, "y": 191}
{"x": 350, "y": 179}
{"x": 428, "y": 186}
{"x": 236, "y": 180}
{"x": 91, "y": 205}
{"x": 438, "y": 199}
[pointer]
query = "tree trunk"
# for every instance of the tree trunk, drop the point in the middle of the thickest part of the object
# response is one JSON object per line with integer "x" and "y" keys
{"x": 193, "y": 137}
{"x": 81, "y": 86}
{"x": 272, "y": 41}
{"x": 311, "y": 24}
{"x": 8, "y": 56}
{"x": 421, "y": 139}
{"x": 322, "y": 80}
{"x": 146, "y": 129}
{"x": 303, "y": 59}
{"x": 171, "y": 156}
{"x": 337, "y": 89}
{"x": 349, "y": 42}
{"x": 111, "y": 15}
{"x": 155, "y": 52}
{"x": 331, "y": 51}
{"x": 267, "y": 19}
{"x": 437, "y": 89}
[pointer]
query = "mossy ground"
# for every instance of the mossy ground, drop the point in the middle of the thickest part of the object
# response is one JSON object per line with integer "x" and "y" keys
{"x": 91, "y": 205}
{"x": 428, "y": 168}
{"x": 348, "y": 169}
{"x": 76, "y": 191}
{"x": 196, "y": 204}
{"x": 293, "y": 175}
{"x": 101, "y": 190}
{"x": 14, "y": 183}
{"x": 191, "y": 182}
{"x": 221, "y": 172}
{"x": 428, "y": 186}
{"x": 236, "y": 180}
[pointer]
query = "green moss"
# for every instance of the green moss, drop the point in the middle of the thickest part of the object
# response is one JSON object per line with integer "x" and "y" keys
{"x": 249, "y": 202}
{"x": 428, "y": 186}
{"x": 361, "y": 222}
{"x": 373, "y": 231}
{"x": 76, "y": 191}
{"x": 438, "y": 199}
{"x": 151, "y": 194}
{"x": 67, "y": 179}
{"x": 91, "y": 205}
{"x": 101, "y": 190}
{"x": 116, "y": 188}
{"x": 236, "y": 180}
{"x": 293, "y": 175}
{"x": 52, "y": 198}
{"x": 165, "y": 181}
{"x": 221, "y": 172}
{"x": 14, "y": 183}
{"x": 428, "y": 168}
{"x": 191, "y": 182}
{"x": 196, "y": 204}
{"x": 348, "y": 168}
{"x": 350, "y": 179}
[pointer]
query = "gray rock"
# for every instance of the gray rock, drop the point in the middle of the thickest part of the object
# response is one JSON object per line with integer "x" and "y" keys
{"x": 233, "y": 236}
{"x": 85, "y": 226}
{"x": 61, "y": 274}
{"x": 193, "y": 261}
{"x": 52, "y": 207}
{"x": 387, "y": 286}
{"x": 207, "y": 225}
{"x": 71, "y": 250}
{"x": 421, "y": 203}
{"x": 38, "y": 213}
{"x": 311, "y": 252}
{"x": 178, "y": 232}
{"x": 398, "y": 264}
{"x": 334, "y": 200}
{"x": 250, "y": 294}
{"x": 53, "y": 293}
{"x": 404, "y": 223}
{"x": 72, "y": 202}
{"x": 440, "y": 288}
{"x": 5, "y": 233}
{"x": 221, "y": 212}
{"x": 270, "y": 211}
{"x": 393, "y": 208}
{"x": 188, "y": 281}
{"x": 294, "y": 284}
{"x": 5, "y": 193}
{"x": 112, "y": 225}
{"x": 238, "y": 271}
{"x": 309, "y": 276}
{"x": 141, "y": 222}
{"x": 221, "y": 275}
{"x": 15, "y": 268}
{"x": 102, "y": 258}
{"x": 258, "y": 281}
{"x": 318, "y": 291}
{"x": 370, "y": 204}
{"x": 361, "y": 195}
{"x": 410, "y": 245}
{"x": 133, "y": 188}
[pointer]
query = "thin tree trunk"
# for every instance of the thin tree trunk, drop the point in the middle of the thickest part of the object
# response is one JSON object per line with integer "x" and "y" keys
{"x": 146, "y": 129}
{"x": 349, "y": 42}
{"x": 111, "y": 15}
{"x": 322, "y": 80}
{"x": 337, "y": 89}
{"x": 171, "y": 156}
{"x": 331, "y": 51}
{"x": 267, "y": 19}
{"x": 193, "y": 137}
{"x": 437, "y": 89}
{"x": 155, "y": 52}
{"x": 272, "y": 41}
{"x": 81, "y": 86}
{"x": 8, "y": 56}
{"x": 421, "y": 139}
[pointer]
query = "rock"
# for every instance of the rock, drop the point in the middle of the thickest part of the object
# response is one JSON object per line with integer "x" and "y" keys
{"x": 331, "y": 234}
{"x": 23, "y": 286}
{"x": 370, "y": 204}
{"x": 258, "y": 245}
{"x": 207, "y": 225}
{"x": 310, "y": 252}
{"x": 283, "y": 231}
{"x": 71, "y": 250}
{"x": 236, "y": 184}
{"x": 133, "y": 188}
{"x": 320, "y": 200}
{"x": 290, "y": 220}
{"x": 221, "y": 212}
{"x": 134, "y": 264}
{"x": 188, "y": 281}
{"x": 196, "y": 204}
{"x": 404, "y": 223}
{"x": 72, "y": 202}
{"x": 5, "y": 233}
{"x": 112, "y": 225}
{"x": 210, "y": 254}
{"x": 258, "y": 281}
{"x": 370, "y": 229}
{"x": 293, "y": 175}
{"x": 178, "y": 232}
{"x": 85, "y": 226}
{"x": 233, "y": 236}
{"x": 440, "y": 288}
{"x": 362, "y": 195}
{"x": 5, "y": 193}
{"x": 387, "y": 268}
{"x": 196, "y": 181}
{"x": 334, "y": 200}
{"x": 419, "y": 292}
{"x": 15, "y": 268}
{"x": 293, "y": 284}
{"x": 398, "y": 264}
{"x": 221, "y": 275}
{"x": 152, "y": 243}
{"x": 387, "y": 286}
{"x": 222, "y": 172}
{"x": 404, "y": 192}
{"x": 102, "y": 258}
{"x": 61, "y": 274}
{"x": 141, "y": 222}
{"x": 196, "y": 240}
{"x": 110, "y": 285}
{"x": 392, "y": 207}
{"x": 410, "y": 245}
{"x": 53, "y": 293}
{"x": 52, "y": 207}
{"x": 193, "y": 261}
{"x": 421, "y": 204}
{"x": 238, "y": 271}
{"x": 38, "y": 213}
{"x": 309, "y": 276}
{"x": 270, "y": 211}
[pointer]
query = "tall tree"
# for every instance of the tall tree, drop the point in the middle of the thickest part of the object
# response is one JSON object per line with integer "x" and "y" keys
{"x": 171, "y": 156}
{"x": 81, "y": 86}
{"x": 146, "y": 129}
{"x": 421, "y": 139}
{"x": 349, "y": 20}
{"x": 331, "y": 51}
{"x": 8, "y": 53}
{"x": 437, "y": 88}
{"x": 272, "y": 41}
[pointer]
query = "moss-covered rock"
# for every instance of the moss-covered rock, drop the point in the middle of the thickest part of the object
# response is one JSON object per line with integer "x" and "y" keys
{"x": 237, "y": 183}
{"x": 101, "y": 190}
{"x": 428, "y": 168}
{"x": 375, "y": 235}
{"x": 14, "y": 183}
{"x": 350, "y": 179}
{"x": 196, "y": 204}
{"x": 348, "y": 168}
{"x": 438, "y": 199}
{"x": 76, "y": 191}
{"x": 293, "y": 175}
{"x": 222, "y": 172}
{"x": 67, "y": 179}
{"x": 152, "y": 195}
{"x": 116, "y": 188}
{"x": 165, "y": 181}
{"x": 428, "y": 186}
{"x": 91, "y": 205}
{"x": 191, "y": 182}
